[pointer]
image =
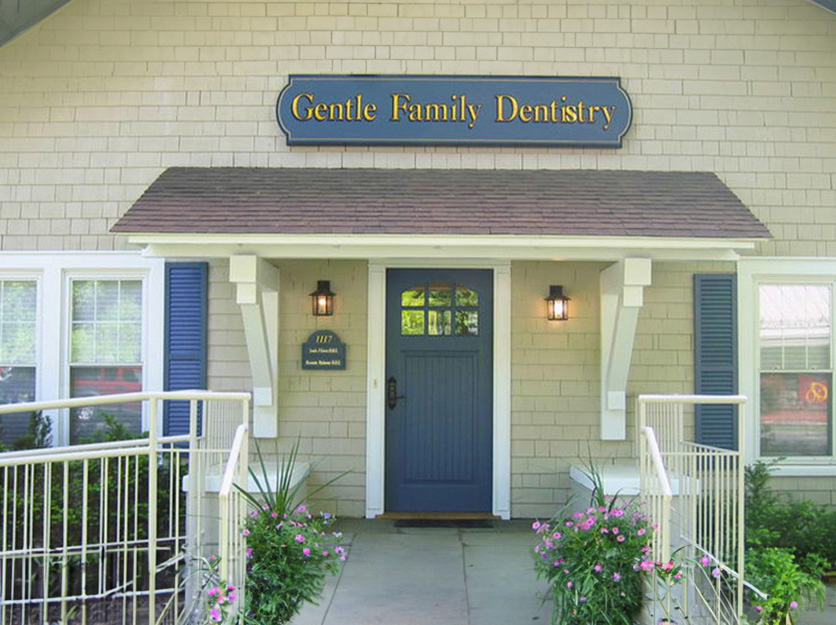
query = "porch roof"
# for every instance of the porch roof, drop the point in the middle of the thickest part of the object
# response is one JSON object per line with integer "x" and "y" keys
{"x": 562, "y": 203}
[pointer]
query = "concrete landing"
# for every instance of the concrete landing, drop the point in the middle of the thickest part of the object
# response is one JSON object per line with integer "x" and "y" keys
{"x": 437, "y": 576}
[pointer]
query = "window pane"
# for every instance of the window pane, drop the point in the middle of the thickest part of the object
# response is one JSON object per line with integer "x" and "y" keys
{"x": 467, "y": 323}
{"x": 439, "y": 323}
{"x": 466, "y": 296}
{"x": 18, "y": 303}
{"x": 17, "y": 384}
{"x": 413, "y": 297}
{"x": 795, "y": 414}
{"x": 412, "y": 322}
{"x": 92, "y": 422}
{"x": 440, "y": 294}
{"x": 107, "y": 321}
{"x": 795, "y": 326}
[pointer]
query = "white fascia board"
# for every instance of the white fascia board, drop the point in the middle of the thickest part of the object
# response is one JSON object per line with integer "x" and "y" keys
{"x": 500, "y": 247}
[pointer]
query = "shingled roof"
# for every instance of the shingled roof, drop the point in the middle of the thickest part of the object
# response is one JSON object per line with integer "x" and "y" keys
{"x": 427, "y": 202}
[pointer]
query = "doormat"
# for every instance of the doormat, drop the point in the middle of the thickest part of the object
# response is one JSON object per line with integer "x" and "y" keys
{"x": 468, "y": 524}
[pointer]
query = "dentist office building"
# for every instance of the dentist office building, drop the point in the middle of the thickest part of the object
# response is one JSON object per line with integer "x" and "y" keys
{"x": 373, "y": 215}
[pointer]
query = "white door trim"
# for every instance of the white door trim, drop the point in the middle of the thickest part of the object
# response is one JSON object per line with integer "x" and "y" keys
{"x": 375, "y": 387}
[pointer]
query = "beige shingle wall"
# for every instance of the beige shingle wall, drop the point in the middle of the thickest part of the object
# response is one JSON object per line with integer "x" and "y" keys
{"x": 99, "y": 98}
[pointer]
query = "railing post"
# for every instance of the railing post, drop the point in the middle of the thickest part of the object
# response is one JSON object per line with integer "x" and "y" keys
{"x": 152, "y": 511}
{"x": 741, "y": 507}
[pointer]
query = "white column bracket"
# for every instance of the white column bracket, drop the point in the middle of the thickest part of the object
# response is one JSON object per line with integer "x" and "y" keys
{"x": 622, "y": 296}
{"x": 257, "y": 293}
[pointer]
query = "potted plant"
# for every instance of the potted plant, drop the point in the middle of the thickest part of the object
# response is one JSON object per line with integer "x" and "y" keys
{"x": 595, "y": 561}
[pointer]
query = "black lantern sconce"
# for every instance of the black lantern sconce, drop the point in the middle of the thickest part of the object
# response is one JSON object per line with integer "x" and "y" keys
{"x": 557, "y": 304}
{"x": 322, "y": 300}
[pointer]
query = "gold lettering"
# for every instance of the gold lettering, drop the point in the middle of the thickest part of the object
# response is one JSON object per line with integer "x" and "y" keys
{"x": 437, "y": 112}
{"x": 320, "y": 112}
{"x": 608, "y": 113}
{"x": 525, "y": 113}
{"x": 473, "y": 111}
{"x": 370, "y": 112}
{"x": 568, "y": 114}
{"x": 541, "y": 113}
{"x": 294, "y": 106}
{"x": 500, "y": 108}
{"x": 397, "y": 106}
{"x": 335, "y": 111}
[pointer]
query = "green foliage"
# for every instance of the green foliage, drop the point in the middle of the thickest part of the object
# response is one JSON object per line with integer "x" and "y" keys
{"x": 39, "y": 435}
{"x": 776, "y": 572}
{"x": 776, "y": 520}
{"x": 595, "y": 561}
{"x": 290, "y": 550}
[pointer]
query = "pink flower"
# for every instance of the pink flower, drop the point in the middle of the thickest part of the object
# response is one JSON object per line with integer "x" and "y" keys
{"x": 213, "y": 591}
{"x": 598, "y": 568}
{"x": 299, "y": 538}
{"x": 616, "y": 577}
{"x": 705, "y": 560}
{"x": 641, "y": 532}
{"x": 536, "y": 525}
{"x": 716, "y": 573}
{"x": 275, "y": 515}
{"x": 557, "y": 535}
{"x": 325, "y": 554}
{"x": 646, "y": 565}
{"x": 568, "y": 584}
{"x": 758, "y": 608}
{"x": 615, "y": 530}
{"x": 583, "y": 599}
{"x": 618, "y": 512}
{"x": 620, "y": 538}
{"x": 604, "y": 530}
{"x": 793, "y": 605}
{"x": 215, "y": 614}
{"x": 306, "y": 551}
{"x": 249, "y": 553}
{"x": 301, "y": 509}
{"x": 246, "y": 532}
{"x": 569, "y": 524}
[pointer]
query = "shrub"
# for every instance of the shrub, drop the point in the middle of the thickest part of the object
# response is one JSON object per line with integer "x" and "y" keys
{"x": 776, "y": 572}
{"x": 595, "y": 561}
{"x": 289, "y": 549}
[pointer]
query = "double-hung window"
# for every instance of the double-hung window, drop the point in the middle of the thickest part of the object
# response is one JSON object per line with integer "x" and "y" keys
{"x": 796, "y": 375}
{"x": 105, "y": 353}
{"x": 787, "y": 308}
{"x": 18, "y": 353}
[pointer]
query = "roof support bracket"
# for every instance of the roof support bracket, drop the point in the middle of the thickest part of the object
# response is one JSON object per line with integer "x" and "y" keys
{"x": 622, "y": 295}
{"x": 257, "y": 293}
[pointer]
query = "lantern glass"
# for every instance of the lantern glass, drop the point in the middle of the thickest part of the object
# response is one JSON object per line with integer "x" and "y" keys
{"x": 322, "y": 300}
{"x": 557, "y": 304}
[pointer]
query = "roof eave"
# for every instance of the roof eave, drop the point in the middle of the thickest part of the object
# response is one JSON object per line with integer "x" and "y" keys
{"x": 495, "y": 247}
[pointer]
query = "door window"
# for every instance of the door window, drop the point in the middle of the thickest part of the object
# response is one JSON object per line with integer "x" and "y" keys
{"x": 439, "y": 309}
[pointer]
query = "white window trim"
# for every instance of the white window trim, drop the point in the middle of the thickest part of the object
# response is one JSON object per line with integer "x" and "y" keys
{"x": 751, "y": 273}
{"x": 54, "y": 270}
{"x": 375, "y": 391}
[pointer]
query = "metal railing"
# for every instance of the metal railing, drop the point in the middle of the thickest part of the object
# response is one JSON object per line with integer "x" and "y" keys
{"x": 704, "y": 517}
{"x": 112, "y": 532}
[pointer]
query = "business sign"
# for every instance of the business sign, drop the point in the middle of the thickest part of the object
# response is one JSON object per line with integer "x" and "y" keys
{"x": 453, "y": 110}
{"x": 323, "y": 350}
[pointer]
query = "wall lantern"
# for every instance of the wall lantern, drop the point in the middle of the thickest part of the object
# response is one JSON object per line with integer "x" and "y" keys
{"x": 322, "y": 300}
{"x": 557, "y": 304}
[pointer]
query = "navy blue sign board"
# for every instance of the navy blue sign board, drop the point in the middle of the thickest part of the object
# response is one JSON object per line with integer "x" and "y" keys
{"x": 454, "y": 110}
{"x": 323, "y": 350}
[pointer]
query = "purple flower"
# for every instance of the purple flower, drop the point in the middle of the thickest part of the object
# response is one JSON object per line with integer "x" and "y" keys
{"x": 301, "y": 509}
{"x": 616, "y": 577}
{"x": 793, "y": 605}
{"x": 249, "y": 553}
{"x": 716, "y": 573}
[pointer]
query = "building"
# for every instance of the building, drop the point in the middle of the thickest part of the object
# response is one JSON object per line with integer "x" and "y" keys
{"x": 157, "y": 230}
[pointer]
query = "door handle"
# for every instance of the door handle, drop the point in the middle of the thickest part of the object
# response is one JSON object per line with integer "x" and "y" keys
{"x": 392, "y": 396}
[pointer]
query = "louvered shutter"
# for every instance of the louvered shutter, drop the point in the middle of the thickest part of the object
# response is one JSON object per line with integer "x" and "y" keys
{"x": 185, "y": 338}
{"x": 715, "y": 332}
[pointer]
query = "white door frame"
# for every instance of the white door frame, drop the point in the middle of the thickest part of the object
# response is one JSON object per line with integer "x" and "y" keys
{"x": 375, "y": 389}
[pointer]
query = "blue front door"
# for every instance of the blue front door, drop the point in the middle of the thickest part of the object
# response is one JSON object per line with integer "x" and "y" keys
{"x": 439, "y": 408}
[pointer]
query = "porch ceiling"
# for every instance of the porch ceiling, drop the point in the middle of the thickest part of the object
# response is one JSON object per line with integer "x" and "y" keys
{"x": 472, "y": 213}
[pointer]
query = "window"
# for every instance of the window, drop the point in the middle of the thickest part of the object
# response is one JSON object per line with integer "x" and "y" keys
{"x": 430, "y": 309}
{"x": 795, "y": 364}
{"x": 18, "y": 334}
{"x": 105, "y": 353}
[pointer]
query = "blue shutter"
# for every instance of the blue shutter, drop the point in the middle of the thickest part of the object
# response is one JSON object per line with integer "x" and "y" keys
{"x": 715, "y": 332}
{"x": 185, "y": 338}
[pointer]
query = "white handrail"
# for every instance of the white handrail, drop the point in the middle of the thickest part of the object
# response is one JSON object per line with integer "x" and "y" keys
{"x": 120, "y": 398}
{"x": 658, "y": 463}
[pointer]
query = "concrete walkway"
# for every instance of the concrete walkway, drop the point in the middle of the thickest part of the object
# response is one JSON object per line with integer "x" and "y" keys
{"x": 433, "y": 576}
{"x": 441, "y": 576}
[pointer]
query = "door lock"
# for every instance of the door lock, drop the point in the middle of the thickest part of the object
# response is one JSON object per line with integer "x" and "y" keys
{"x": 392, "y": 396}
